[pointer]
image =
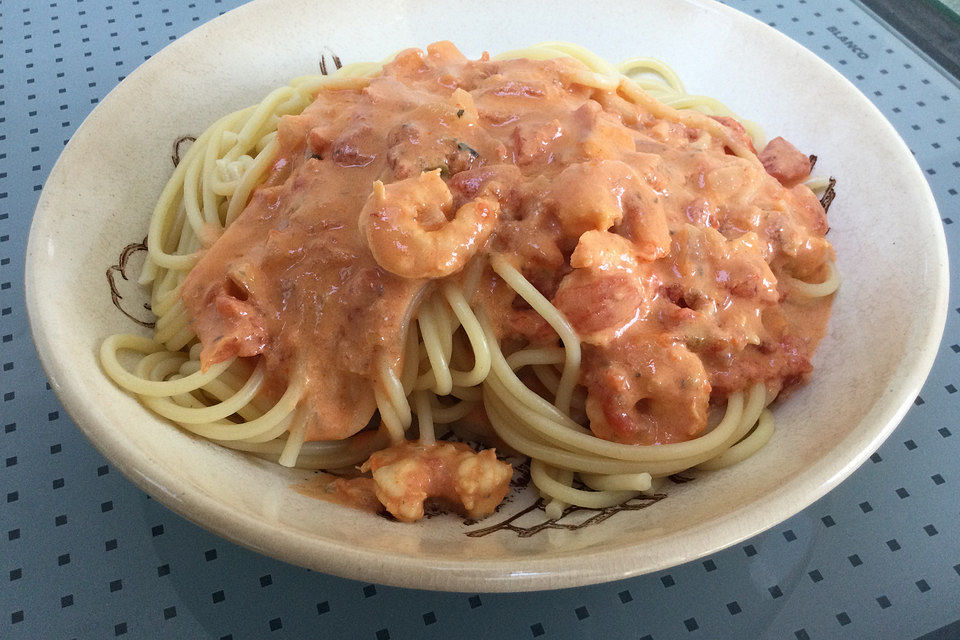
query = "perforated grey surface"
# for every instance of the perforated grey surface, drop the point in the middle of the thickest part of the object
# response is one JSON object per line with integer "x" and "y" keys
{"x": 85, "y": 554}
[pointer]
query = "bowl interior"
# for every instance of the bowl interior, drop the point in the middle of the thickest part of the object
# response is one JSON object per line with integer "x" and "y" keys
{"x": 879, "y": 346}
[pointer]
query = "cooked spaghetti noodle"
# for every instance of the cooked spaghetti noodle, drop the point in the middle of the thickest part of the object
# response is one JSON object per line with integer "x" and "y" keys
{"x": 470, "y": 331}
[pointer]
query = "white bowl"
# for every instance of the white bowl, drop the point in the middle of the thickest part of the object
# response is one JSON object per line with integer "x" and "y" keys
{"x": 886, "y": 324}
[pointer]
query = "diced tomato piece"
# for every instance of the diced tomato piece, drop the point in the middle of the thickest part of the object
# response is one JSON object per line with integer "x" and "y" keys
{"x": 785, "y": 162}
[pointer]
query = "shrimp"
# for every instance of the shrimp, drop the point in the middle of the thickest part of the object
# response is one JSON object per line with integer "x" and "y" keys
{"x": 409, "y": 233}
{"x": 646, "y": 393}
{"x": 407, "y": 474}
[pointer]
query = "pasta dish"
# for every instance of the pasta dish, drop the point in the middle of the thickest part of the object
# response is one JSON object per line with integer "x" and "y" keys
{"x": 539, "y": 251}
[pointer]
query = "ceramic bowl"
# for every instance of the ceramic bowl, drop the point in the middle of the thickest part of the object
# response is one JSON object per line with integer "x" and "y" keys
{"x": 886, "y": 324}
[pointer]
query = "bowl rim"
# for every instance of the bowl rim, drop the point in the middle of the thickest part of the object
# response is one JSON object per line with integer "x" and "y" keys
{"x": 465, "y": 575}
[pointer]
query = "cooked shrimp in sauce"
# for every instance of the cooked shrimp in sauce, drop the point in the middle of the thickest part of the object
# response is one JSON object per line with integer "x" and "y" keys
{"x": 668, "y": 254}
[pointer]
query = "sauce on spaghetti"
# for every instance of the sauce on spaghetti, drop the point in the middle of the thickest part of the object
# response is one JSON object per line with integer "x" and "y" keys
{"x": 666, "y": 252}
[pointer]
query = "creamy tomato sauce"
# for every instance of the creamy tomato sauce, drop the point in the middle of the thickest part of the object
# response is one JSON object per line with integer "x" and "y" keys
{"x": 666, "y": 252}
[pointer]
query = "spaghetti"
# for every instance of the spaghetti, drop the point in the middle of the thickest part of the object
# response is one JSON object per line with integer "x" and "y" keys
{"x": 503, "y": 287}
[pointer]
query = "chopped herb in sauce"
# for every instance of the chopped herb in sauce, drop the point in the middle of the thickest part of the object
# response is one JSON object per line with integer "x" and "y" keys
{"x": 463, "y": 146}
